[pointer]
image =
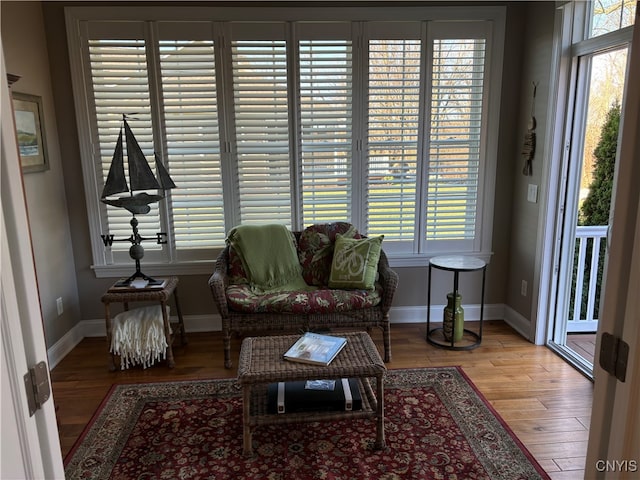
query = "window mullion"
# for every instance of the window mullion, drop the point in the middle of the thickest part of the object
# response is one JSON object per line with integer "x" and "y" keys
{"x": 422, "y": 166}
{"x": 229, "y": 154}
{"x": 359, "y": 128}
{"x": 293, "y": 74}
{"x": 165, "y": 208}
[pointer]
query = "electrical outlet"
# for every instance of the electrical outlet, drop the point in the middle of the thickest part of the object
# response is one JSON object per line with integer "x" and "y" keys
{"x": 59, "y": 305}
{"x": 523, "y": 288}
{"x": 532, "y": 193}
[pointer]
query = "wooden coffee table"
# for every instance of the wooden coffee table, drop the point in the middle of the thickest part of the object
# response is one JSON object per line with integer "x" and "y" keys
{"x": 261, "y": 362}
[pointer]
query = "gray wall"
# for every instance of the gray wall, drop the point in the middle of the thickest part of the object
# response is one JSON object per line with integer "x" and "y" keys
{"x": 25, "y": 49}
{"x": 536, "y": 67}
{"x": 515, "y": 221}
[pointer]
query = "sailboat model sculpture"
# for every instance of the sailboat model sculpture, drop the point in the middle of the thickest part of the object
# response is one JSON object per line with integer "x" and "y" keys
{"x": 136, "y": 200}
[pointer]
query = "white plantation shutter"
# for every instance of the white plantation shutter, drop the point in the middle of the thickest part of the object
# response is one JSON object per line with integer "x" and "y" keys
{"x": 192, "y": 142}
{"x": 120, "y": 86}
{"x": 392, "y": 137}
{"x": 456, "y": 104}
{"x": 261, "y": 114}
{"x": 381, "y": 123}
{"x": 325, "y": 98}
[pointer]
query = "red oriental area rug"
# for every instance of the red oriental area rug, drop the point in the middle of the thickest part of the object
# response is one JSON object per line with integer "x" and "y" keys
{"x": 437, "y": 426}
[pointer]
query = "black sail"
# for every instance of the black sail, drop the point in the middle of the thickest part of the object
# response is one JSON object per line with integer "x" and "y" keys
{"x": 163, "y": 175}
{"x": 116, "y": 181}
{"x": 141, "y": 176}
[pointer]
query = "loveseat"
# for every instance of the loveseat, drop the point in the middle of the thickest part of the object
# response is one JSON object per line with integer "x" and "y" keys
{"x": 314, "y": 307}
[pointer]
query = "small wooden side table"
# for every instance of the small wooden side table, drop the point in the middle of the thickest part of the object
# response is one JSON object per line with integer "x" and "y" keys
{"x": 161, "y": 295}
{"x": 456, "y": 264}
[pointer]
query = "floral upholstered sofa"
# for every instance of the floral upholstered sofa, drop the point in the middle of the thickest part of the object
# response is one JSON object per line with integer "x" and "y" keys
{"x": 324, "y": 301}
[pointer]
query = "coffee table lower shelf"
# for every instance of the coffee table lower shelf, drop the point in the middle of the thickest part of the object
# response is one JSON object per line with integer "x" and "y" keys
{"x": 259, "y": 414}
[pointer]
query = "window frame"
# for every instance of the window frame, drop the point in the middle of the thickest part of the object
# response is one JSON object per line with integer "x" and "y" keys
{"x": 575, "y": 50}
{"x": 110, "y": 21}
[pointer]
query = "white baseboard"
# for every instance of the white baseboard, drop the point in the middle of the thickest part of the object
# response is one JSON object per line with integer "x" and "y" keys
{"x": 519, "y": 323}
{"x": 213, "y": 323}
{"x": 67, "y": 343}
{"x": 418, "y": 314}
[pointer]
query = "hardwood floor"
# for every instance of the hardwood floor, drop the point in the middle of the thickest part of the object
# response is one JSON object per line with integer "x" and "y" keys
{"x": 545, "y": 401}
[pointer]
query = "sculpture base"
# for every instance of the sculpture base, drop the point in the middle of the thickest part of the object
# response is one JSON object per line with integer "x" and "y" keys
{"x": 150, "y": 282}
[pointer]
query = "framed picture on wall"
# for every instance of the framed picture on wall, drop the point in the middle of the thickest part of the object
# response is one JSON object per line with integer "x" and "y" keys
{"x": 30, "y": 130}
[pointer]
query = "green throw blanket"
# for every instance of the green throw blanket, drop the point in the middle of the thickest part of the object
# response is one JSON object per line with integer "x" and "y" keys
{"x": 269, "y": 257}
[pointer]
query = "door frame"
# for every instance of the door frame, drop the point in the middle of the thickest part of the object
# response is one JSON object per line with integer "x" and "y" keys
{"x": 614, "y": 434}
{"x": 554, "y": 178}
{"x": 552, "y": 282}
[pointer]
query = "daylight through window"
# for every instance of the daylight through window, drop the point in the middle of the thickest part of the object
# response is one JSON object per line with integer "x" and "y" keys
{"x": 382, "y": 124}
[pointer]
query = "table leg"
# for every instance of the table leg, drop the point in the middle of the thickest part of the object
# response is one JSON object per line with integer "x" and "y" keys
{"x": 453, "y": 313}
{"x": 429, "y": 303}
{"x": 380, "y": 440}
{"x": 246, "y": 428}
{"x": 484, "y": 274}
{"x": 107, "y": 318}
{"x": 167, "y": 335}
{"x": 183, "y": 334}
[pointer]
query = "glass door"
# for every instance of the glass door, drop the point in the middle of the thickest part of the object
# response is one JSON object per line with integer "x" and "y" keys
{"x": 589, "y": 182}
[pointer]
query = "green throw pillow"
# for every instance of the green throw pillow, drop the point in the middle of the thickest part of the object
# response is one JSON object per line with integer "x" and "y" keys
{"x": 355, "y": 262}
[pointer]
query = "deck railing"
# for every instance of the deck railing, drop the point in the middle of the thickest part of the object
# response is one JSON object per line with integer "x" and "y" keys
{"x": 587, "y": 276}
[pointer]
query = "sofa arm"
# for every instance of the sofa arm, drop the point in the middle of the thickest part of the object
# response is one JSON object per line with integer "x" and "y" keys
{"x": 219, "y": 281}
{"x": 389, "y": 281}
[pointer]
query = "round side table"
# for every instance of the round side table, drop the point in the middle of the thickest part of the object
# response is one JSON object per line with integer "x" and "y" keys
{"x": 456, "y": 264}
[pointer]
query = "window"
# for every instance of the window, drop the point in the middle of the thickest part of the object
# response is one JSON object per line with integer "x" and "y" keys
{"x": 392, "y": 137}
{"x": 457, "y": 72}
{"x": 610, "y": 15}
{"x": 120, "y": 86}
{"x": 382, "y": 123}
{"x": 261, "y": 114}
{"x": 326, "y": 136}
{"x": 192, "y": 141}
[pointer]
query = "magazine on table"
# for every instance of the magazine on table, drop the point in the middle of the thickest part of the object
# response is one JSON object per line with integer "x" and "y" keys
{"x": 315, "y": 349}
{"x": 126, "y": 285}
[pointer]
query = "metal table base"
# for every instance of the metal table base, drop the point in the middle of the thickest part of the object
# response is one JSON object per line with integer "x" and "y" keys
{"x": 456, "y": 264}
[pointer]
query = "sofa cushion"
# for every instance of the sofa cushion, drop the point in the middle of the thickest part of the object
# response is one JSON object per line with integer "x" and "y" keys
{"x": 236, "y": 270}
{"x": 355, "y": 262}
{"x": 321, "y": 300}
{"x": 315, "y": 250}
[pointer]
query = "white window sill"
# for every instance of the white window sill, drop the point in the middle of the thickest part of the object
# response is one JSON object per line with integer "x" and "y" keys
{"x": 205, "y": 267}
{"x": 422, "y": 260}
{"x": 154, "y": 269}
